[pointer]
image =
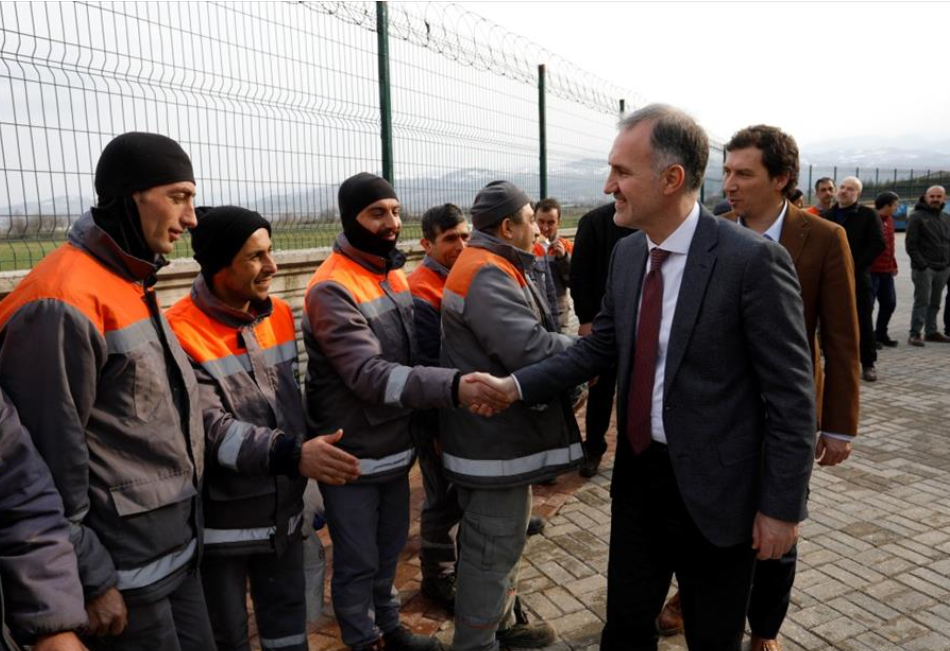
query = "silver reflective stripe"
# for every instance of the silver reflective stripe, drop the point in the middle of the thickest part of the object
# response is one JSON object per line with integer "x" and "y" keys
{"x": 281, "y": 642}
{"x": 393, "y": 461}
{"x": 377, "y": 307}
{"x": 395, "y": 384}
{"x": 224, "y": 536}
{"x": 452, "y": 301}
{"x": 231, "y": 445}
{"x": 131, "y": 337}
{"x": 225, "y": 366}
{"x": 251, "y": 534}
{"x": 512, "y": 467}
{"x": 146, "y": 575}
{"x": 280, "y": 353}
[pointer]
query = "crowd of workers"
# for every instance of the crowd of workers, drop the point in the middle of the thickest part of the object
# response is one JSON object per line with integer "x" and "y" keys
{"x": 153, "y": 464}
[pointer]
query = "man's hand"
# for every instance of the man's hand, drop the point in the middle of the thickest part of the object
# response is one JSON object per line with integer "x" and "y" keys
{"x": 322, "y": 460}
{"x": 557, "y": 247}
{"x": 585, "y": 329}
{"x": 485, "y": 394}
{"x": 831, "y": 452}
{"x": 771, "y": 537}
{"x": 107, "y": 614}
{"x": 59, "y": 642}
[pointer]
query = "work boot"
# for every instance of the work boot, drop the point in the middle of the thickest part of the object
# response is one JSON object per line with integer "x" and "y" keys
{"x": 440, "y": 589}
{"x": 869, "y": 373}
{"x": 402, "y": 639}
{"x": 524, "y": 634}
{"x": 372, "y": 646}
{"x": 763, "y": 644}
{"x": 939, "y": 337}
{"x": 670, "y": 620}
{"x": 915, "y": 340}
{"x": 591, "y": 465}
{"x": 536, "y": 525}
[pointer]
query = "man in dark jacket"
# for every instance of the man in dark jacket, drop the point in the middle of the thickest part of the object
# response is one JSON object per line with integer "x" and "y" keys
{"x": 243, "y": 347}
{"x": 444, "y": 236}
{"x": 866, "y": 240}
{"x": 928, "y": 246}
{"x": 119, "y": 423}
{"x": 40, "y": 594}
{"x": 597, "y": 234}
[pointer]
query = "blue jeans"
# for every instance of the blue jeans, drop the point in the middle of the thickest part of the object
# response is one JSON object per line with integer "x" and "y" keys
{"x": 882, "y": 290}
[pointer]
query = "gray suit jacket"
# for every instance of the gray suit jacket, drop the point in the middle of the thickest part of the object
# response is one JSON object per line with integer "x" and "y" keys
{"x": 738, "y": 400}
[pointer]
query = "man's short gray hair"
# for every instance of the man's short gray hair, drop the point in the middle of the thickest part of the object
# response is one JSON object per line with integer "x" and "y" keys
{"x": 853, "y": 179}
{"x": 676, "y": 139}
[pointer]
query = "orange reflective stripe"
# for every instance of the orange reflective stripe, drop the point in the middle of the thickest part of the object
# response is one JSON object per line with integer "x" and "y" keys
{"x": 76, "y": 278}
{"x": 362, "y": 284}
{"x": 470, "y": 262}
{"x": 427, "y": 285}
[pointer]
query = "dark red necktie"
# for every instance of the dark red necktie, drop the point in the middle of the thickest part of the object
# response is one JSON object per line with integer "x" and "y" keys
{"x": 639, "y": 432}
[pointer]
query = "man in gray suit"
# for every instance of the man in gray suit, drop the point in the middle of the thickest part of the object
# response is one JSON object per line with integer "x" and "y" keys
{"x": 716, "y": 406}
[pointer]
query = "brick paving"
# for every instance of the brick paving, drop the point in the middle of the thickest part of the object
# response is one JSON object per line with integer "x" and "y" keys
{"x": 874, "y": 570}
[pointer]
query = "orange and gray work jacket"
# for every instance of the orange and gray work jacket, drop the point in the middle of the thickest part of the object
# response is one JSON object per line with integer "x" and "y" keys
{"x": 358, "y": 329}
{"x": 426, "y": 283}
{"x": 560, "y": 267}
{"x": 110, "y": 399}
{"x": 495, "y": 320}
{"x": 246, "y": 366}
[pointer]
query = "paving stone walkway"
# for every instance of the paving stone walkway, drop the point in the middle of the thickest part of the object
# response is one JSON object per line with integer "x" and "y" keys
{"x": 874, "y": 572}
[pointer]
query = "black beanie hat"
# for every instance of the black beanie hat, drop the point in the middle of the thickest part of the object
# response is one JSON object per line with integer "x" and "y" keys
{"x": 494, "y": 202}
{"x": 356, "y": 193}
{"x": 220, "y": 234}
{"x": 138, "y": 161}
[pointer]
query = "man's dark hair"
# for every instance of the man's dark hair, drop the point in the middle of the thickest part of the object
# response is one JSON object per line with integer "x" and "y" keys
{"x": 548, "y": 205}
{"x": 779, "y": 151}
{"x": 439, "y": 219}
{"x": 676, "y": 139}
{"x": 795, "y": 195}
{"x": 886, "y": 198}
{"x": 824, "y": 179}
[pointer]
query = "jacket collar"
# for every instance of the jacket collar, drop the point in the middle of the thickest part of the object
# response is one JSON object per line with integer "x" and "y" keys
{"x": 86, "y": 235}
{"x": 522, "y": 260}
{"x": 214, "y": 307}
{"x": 430, "y": 263}
{"x": 372, "y": 263}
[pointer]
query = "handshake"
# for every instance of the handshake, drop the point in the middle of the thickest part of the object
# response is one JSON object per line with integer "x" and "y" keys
{"x": 487, "y": 395}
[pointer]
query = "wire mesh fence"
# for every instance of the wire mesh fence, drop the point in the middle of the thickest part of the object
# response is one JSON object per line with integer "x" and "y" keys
{"x": 278, "y": 102}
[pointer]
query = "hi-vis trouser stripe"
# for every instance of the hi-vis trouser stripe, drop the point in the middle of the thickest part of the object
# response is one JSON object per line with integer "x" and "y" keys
{"x": 157, "y": 570}
{"x": 283, "y": 642}
{"x": 386, "y": 464}
{"x": 252, "y": 534}
{"x": 512, "y": 467}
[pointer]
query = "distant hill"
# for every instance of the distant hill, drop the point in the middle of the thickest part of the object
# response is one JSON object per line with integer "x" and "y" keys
{"x": 893, "y": 152}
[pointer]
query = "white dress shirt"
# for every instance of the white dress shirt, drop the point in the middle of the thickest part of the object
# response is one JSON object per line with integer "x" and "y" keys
{"x": 677, "y": 244}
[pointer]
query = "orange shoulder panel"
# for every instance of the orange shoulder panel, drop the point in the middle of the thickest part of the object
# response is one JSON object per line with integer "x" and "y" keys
{"x": 362, "y": 284}
{"x": 74, "y": 277}
{"x": 537, "y": 249}
{"x": 427, "y": 285}
{"x": 470, "y": 263}
{"x": 568, "y": 245}
{"x": 203, "y": 338}
{"x": 278, "y": 328}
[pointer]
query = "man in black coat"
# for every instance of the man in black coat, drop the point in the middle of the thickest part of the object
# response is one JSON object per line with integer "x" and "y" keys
{"x": 866, "y": 240}
{"x": 594, "y": 242}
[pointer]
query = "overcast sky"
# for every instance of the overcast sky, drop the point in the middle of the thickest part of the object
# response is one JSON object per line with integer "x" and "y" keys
{"x": 820, "y": 71}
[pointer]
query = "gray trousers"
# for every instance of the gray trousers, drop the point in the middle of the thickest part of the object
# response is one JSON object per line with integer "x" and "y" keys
{"x": 369, "y": 525}
{"x": 178, "y": 622}
{"x": 441, "y": 514}
{"x": 493, "y": 534}
{"x": 277, "y": 590}
{"x": 928, "y": 292}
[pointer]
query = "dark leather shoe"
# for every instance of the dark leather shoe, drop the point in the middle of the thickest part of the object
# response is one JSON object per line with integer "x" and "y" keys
{"x": 536, "y": 525}
{"x": 440, "y": 589}
{"x": 939, "y": 337}
{"x": 402, "y": 639}
{"x": 591, "y": 465}
{"x": 869, "y": 374}
{"x": 887, "y": 341}
{"x": 670, "y": 621}
{"x": 915, "y": 340}
{"x": 762, "y": 644}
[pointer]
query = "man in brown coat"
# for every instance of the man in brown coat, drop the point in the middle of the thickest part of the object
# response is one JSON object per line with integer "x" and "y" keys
{"x": 761, "y": 168}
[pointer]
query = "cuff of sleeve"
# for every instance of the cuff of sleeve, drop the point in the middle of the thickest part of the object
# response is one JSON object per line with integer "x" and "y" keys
{"x": 839, "y": 437}
{"x": 285, "y": 456}
{"x": 456, "y": 381}
{"x": 518, "y": 387}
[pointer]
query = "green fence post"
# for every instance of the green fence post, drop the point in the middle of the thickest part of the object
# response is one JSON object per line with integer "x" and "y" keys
{"x": 385, "y": 92}
{"x": 809, "y": 183}
{"x": 542, "y": 135}
{"x": 911, "y": 183}
{"x": 834, "y": 174}
{"x": 623, "y": 108}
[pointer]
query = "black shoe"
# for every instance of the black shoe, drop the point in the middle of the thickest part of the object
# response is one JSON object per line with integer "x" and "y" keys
{"x": 441, "y": 589}
{"x": 524, "y": 634}
{"x": 402, "y": 639}
{"x": 915, "y": 340}
{"x": 887, "y": 341}
{"x": 878, "y": 345}
{"x": 536, "y": 525}
{"x": 591, "y": 465}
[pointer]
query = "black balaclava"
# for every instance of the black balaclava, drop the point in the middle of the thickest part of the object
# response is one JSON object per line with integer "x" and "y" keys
{"x": 356, "y": 193}
{"x": 131, "y": 163}
{"x": 220, "y": 234}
